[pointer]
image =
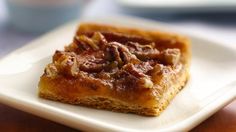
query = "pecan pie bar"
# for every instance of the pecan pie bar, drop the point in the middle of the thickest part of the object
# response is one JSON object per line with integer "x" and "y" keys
{"x": 119, "y": 69}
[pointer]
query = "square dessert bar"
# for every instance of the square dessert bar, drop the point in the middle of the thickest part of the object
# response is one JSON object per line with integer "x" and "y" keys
{"x": 119, "y": 69}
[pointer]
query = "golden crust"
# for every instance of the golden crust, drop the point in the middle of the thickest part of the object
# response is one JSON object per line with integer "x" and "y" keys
{"x": 94, "y": 92}
{"x": 109, "y": 103}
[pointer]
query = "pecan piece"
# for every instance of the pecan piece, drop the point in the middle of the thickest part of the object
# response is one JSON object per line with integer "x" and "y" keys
{"x": 99, "y": 39}
{"x": 66, "y": 63}
{"x": 51, "y": 70}
{"x": 133, "y": 70}
{"x": 145, "y": 80}
{"x": 85, "y": 40}
{"x": 143, "y": 51}
{"x": 122, "y": 54}
{"x": 171, "y": 56}
{"x": 93, "y": 65}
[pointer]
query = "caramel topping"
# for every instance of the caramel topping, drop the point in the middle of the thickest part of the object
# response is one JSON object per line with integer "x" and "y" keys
{"x": 120, "y": 60}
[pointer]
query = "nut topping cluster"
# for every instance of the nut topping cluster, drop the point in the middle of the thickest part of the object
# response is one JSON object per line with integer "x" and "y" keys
{"x": 129, "y": 61}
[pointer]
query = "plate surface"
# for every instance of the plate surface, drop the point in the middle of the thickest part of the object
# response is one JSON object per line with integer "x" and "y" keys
{"x": 210, "y": 87}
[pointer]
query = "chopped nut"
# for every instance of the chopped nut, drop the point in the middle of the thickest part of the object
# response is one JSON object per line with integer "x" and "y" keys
{"x": 147, "y": 46}
{"x": 157, "y": 69}
{"x": 115, "y": 52}
{"x": 66, "y": 64}
{"x": 130, "y": 68}
{"x": 143, "y": 51}
{"x": 93, "y": 66}
{"x": 88, "y": 41}
{"x": 148, "y": 54}
{"x": 99, "y": 38}
{"x": 147, "y": 83}
{"x": 122, "y": 53}
{"x": 171, "y": 56}
{"x": 51, "y": 70}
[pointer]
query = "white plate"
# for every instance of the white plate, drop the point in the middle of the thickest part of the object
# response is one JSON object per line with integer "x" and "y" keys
{"x": 210, "y": 88}
{"x": 177, "y": 6}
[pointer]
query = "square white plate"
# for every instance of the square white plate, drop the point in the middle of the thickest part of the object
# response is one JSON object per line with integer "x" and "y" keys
{"x": 210, "y": 87}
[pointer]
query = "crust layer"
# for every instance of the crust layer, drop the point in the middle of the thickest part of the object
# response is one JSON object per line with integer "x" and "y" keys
{"x": 109, "y": 103}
